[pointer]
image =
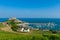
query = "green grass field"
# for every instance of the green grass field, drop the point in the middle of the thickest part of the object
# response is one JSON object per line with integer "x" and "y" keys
{"x": 34, "y": 35}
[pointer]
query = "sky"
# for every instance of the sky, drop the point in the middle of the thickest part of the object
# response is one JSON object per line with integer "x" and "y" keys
{"x": 30, "y": 8}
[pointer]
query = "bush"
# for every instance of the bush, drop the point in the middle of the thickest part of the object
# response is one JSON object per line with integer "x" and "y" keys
{"x": 53, "y": 31}
{"x": 54, "y": 37}
{"x": 14, "y": 27}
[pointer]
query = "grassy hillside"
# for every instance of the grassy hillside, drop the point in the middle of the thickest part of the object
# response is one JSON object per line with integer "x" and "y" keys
{"x": 34, "y": 35}
{"x": 1, "y": 25}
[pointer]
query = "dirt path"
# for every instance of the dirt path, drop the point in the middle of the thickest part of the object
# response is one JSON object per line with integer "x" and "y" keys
{"x": 7, "y": 28}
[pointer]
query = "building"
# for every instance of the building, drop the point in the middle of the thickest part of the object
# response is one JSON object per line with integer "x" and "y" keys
{"x": 23, "y": 27}
{"x": 15, "y": 20}
{"x": 12, "y": 18}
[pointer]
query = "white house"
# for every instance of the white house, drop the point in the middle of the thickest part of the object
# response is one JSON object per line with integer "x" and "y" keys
{"x": 23, "y": 27}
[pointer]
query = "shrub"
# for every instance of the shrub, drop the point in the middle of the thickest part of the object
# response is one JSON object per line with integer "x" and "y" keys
{"x": 14, "y": 27}
{"x": 54, "y": 37}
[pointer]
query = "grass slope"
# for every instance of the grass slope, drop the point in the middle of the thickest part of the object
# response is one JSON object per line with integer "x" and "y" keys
{"x": 1, "y": 25}
{"x": 34, "y": 35}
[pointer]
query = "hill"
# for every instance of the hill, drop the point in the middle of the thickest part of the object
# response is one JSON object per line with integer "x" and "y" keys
{"x": 8, "y": 31}
{"x": 35, "y": 35}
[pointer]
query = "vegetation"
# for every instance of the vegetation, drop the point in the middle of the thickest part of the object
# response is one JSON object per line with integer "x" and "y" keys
{"x": 14, "y": 27}
{"x": 1, "y": 25}
{"x": 28, "y": 36}
{"x": 32, "y": 35}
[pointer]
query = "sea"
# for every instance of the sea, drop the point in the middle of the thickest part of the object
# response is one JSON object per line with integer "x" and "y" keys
{"x": 40, "y": 23}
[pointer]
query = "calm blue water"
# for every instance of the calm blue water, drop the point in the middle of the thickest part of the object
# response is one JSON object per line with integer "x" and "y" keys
{"x": 37, "y": 22}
